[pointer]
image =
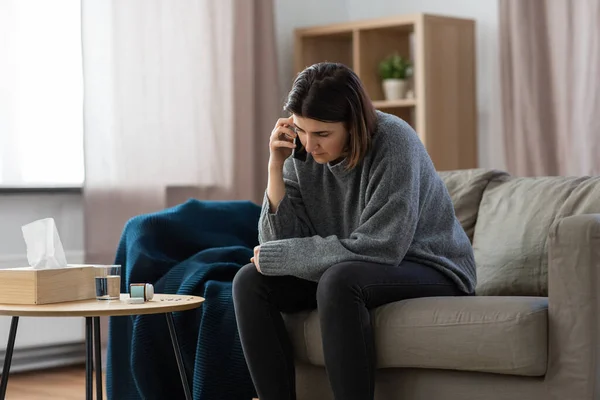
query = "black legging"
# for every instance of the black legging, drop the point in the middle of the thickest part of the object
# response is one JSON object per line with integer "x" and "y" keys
{"x": 343, "y": 296}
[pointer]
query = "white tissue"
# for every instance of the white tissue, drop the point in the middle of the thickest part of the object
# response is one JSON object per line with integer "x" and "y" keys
{"x": 44, "y": 248}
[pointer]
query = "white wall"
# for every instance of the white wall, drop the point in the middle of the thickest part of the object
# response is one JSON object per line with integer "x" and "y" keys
{"x": 292, "y": 13}
{"x": 19, "y": 209}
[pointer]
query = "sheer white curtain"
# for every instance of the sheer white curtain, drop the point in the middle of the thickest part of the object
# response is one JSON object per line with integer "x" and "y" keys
{"x": 41, "y": 91}
{"x": 177, "y": 93}
{"x": 550, "y": 64}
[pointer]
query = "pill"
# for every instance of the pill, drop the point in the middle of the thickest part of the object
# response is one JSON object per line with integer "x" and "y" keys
{"x": 135, "y": 300}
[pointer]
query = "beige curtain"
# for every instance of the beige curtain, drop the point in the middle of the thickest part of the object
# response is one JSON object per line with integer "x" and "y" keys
{"x": 178, "y": 94}
{"x": 550, "y": 82}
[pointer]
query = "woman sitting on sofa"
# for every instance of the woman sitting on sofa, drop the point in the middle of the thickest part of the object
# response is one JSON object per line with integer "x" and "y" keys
{"x": 355, "y": 218}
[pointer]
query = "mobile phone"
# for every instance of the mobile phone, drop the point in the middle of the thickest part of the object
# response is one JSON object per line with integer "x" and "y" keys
{"x": 299, "y": 152}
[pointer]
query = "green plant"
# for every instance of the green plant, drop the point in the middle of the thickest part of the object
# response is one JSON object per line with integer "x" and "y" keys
{"x": 395, "y": 66}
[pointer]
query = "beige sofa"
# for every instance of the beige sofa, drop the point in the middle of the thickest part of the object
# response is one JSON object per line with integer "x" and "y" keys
{"x": 533, "y": 331}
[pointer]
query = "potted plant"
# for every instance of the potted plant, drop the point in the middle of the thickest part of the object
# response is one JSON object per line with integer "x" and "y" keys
{"x": 394, "y": 72}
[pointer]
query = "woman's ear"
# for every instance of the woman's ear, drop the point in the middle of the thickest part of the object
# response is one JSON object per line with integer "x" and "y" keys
{"x": 348, "y": 135}
{"x": 348, "y": 146}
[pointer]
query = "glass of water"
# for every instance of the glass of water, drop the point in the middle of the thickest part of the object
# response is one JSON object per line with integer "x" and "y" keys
{"x": 108, "y": 282}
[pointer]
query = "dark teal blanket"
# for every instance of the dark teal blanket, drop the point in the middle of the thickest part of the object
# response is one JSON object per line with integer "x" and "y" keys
{"x": 194, "y": 248}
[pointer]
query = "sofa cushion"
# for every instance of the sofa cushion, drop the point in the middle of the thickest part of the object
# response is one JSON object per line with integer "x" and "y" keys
{"x": 503, "y": 335}
{"x": 515, "y": 215}
{"x": 466, "y": 188}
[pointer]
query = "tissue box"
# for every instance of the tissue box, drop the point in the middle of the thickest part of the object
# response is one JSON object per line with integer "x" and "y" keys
{"x": 45, "y": 286}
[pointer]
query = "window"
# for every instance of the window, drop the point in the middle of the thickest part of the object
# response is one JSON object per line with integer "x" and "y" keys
{"x": 41, "y": 94}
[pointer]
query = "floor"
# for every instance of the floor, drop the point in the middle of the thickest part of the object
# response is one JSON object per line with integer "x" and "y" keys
{"x": 52, "y": 384}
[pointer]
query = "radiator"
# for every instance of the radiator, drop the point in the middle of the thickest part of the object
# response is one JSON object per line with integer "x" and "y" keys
{"x": 41, "y": 357}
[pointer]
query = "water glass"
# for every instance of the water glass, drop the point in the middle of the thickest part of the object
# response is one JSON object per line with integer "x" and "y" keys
{"x": 108, "y": 282}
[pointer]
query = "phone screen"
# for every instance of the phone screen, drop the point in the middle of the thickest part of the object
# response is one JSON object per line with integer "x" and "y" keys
{"x": 299, "y": 152}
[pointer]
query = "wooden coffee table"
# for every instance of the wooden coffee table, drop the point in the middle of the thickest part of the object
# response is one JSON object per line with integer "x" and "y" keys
{"x": 92, "y": 310}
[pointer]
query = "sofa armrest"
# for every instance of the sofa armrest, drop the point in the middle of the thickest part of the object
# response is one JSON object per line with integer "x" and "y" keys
{"x": 574, "y": 308}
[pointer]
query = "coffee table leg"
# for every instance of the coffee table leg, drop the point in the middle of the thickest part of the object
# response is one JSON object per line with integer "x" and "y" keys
{"x": 178, "y": 356}
{"x": 98, "y": 358}
{"x": 89, "y": 356}
{"x": 8, "y": 357}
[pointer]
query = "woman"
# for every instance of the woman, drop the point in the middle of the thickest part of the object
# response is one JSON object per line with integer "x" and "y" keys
{"x": 364, "y": 221}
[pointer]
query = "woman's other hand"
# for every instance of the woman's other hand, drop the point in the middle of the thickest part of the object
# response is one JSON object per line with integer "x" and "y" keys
{"x": 281, "y": 142}
{"x": 255, "y": 258}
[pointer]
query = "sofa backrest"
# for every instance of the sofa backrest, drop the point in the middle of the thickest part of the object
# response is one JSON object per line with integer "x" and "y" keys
{"x": 466, "y": 189}
{"x": 511, "y": 225}
{"x": 514, "y": 220}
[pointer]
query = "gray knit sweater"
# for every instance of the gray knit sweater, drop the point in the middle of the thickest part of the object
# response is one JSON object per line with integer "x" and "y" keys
{"x": 392, "y": 206}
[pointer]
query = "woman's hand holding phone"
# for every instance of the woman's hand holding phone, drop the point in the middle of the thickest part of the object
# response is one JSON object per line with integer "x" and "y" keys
{"x": 281, "y": 142}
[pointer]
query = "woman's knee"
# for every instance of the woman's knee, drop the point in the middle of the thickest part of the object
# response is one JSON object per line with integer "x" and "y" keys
{"x": 337, "y": 282}
{"x": 244, "y": 280}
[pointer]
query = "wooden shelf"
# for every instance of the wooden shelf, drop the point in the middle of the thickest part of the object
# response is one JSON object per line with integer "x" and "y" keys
{"x": 384, "y": 104}
{"x": 444, "y": 110}
{"x": 397, "y": 22}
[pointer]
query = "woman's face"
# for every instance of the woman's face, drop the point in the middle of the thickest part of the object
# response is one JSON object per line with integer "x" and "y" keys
{"x": 325, "y": 141}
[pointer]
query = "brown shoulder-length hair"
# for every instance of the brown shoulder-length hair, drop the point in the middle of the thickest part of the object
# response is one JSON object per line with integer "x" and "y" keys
{"x": 332, "y": 92}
